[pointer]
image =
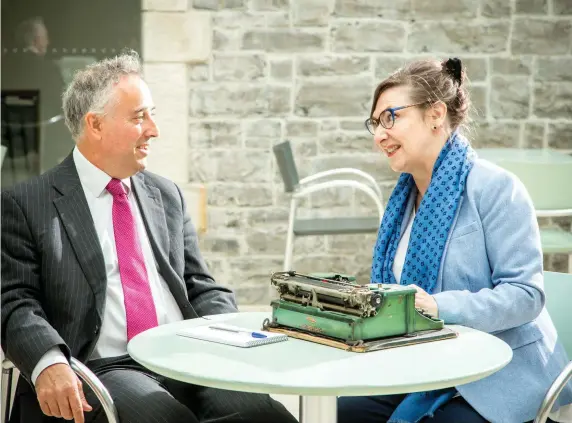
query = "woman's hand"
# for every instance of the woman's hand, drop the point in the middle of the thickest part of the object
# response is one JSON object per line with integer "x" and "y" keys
{"x": 426, "y": 302}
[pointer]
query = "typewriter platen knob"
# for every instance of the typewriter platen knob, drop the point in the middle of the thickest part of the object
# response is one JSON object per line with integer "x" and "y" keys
{"x": 375, "y": 301}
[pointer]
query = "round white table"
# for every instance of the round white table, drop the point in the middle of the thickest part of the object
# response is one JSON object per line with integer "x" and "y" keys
{"x": 316, "y": 372}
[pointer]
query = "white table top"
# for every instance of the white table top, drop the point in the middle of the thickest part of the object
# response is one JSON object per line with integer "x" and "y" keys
{"x": 299, "y": 367}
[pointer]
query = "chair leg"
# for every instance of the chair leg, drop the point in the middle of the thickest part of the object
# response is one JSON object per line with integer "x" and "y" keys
{"x": 8, "y": 397}
{"x": 290, "y": 237}
{"x": 570, "y": 254}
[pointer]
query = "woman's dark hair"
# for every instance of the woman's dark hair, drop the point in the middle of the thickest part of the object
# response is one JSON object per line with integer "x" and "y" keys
{"x": 431, "y": 81}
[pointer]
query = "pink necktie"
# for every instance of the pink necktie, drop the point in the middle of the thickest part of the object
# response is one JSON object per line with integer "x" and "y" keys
{"x": 139, "y": 306}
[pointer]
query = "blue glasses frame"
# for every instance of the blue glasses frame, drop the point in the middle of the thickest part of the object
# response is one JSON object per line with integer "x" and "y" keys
{"x": 371, "y": 123}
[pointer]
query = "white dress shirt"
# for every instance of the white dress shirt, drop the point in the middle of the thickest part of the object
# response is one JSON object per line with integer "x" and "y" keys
{"x": 112, "y": 341}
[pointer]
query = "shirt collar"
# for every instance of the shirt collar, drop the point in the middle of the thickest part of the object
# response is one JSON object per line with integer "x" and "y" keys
{"x": 92, "y": 177}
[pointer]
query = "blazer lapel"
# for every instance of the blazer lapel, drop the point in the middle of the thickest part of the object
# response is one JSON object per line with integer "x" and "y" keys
{"x": 153, "y": 213}
{"x": 154, "y": 219}
{"x": 78, "y": 223}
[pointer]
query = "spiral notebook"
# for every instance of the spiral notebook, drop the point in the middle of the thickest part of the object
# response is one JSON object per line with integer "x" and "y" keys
{"x": 232, "y": 335}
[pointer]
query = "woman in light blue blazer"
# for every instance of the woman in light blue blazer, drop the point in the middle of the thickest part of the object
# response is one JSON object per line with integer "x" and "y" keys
{"x": 463, "y": 232}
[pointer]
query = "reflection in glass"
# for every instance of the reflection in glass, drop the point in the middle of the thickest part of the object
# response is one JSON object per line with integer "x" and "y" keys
{"x": 43, "y": 44}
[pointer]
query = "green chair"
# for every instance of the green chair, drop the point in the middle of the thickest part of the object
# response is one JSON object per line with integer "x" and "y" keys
{"x": 546, "y": 174}
{"x": 558, "y": 289}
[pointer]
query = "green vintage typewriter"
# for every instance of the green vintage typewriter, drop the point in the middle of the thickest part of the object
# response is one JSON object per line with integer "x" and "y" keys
{"x": 335, "y": 310}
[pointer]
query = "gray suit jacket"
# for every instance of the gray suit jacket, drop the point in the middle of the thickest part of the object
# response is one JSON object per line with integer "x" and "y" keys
{"x": 53, "y": 273}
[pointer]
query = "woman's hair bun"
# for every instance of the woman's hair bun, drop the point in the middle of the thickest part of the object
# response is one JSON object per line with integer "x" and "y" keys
{"x": 454, "y": 67}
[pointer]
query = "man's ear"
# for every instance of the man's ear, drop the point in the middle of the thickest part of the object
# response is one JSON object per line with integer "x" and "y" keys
{"x": 93, "y": 123}
{"x": 436, "y": 115}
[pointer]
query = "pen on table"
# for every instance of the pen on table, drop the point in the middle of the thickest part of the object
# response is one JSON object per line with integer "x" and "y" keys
{"x": 253, "y": 334}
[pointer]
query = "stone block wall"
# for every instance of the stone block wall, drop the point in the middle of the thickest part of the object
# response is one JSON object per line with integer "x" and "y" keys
{"x": 305, "y": 70}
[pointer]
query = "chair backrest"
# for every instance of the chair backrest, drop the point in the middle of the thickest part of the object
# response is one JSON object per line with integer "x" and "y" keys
{"x": 287, "y": 165}
{"x": 558, "y": 288}
{"x": 544, "y": 173}
{"x": 547, "y": 183}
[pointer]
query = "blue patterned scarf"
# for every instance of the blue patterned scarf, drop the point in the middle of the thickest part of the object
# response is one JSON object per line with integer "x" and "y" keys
{"x": 429, "y": 234}
{"x": 432, "y": 221}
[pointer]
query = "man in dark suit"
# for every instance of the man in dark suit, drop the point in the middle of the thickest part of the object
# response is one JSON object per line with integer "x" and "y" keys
{"x": 97, "y": 250}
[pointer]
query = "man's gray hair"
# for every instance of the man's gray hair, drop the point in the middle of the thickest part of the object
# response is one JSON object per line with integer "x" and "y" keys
{"x": 92, "y": 88}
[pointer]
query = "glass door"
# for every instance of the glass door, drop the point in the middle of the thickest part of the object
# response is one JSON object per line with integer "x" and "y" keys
{"x": 43, "y": 43}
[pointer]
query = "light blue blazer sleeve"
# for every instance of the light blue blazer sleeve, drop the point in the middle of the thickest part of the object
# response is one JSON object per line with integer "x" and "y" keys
{"x": 511, "y": 294}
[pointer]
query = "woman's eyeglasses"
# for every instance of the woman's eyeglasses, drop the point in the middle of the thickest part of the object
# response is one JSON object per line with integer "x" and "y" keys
{"x": 386, "y": 118}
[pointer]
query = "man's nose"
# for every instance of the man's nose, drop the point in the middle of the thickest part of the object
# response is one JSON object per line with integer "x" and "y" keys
{"x": 153, "y": 129}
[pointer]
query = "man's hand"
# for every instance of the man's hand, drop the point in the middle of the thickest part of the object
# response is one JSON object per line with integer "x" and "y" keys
{"x": 60, "y": 393}
{"x": 425, "y": 301}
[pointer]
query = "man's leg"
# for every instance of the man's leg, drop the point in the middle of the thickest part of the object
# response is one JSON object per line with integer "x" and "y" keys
{"x": 223, "y": 406}
{"x": 370, "y": 409}
{"x": 139, "y": 398}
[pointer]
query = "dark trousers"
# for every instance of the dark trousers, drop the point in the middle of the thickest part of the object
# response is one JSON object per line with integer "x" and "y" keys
{"x": 378, "y": 409}
{"x": 142, "y": 396}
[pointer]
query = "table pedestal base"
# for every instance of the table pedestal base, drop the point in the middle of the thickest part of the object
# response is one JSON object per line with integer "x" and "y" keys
{"x": 314, "y": 409}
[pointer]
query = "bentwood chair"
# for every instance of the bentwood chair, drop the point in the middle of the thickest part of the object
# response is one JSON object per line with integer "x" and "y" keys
{"x": 558, "y": 289}
{"x": 80, "y": 369}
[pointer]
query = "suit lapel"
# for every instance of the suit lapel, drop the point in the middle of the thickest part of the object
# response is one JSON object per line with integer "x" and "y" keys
{"x": 154, "y": 219}
{"x": 78, "y": 223}
{"x": 153, "y": 213}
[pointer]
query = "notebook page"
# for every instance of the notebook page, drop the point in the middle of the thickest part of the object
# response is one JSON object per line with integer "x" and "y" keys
{"x": 238, "y": 339}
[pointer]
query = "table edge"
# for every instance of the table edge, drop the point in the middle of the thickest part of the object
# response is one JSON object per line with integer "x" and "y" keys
{"x": 320, "y": 391}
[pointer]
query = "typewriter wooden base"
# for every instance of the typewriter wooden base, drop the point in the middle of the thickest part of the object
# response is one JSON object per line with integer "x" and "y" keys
{"x": 374, "y": 345}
